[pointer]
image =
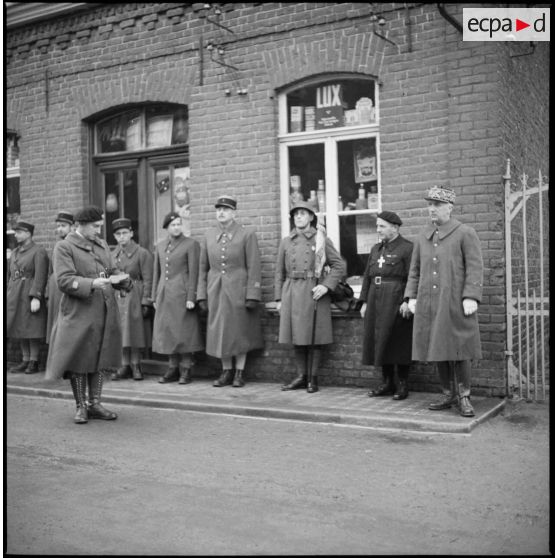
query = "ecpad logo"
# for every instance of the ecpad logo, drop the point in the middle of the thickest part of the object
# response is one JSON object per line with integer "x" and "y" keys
{"x": 506, "y": 24}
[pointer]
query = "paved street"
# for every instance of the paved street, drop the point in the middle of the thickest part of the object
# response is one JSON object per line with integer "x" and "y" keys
{"x": 175, "y": 482}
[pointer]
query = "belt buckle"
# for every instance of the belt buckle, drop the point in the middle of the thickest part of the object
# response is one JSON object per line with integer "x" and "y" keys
{"x": 377, "y": 280}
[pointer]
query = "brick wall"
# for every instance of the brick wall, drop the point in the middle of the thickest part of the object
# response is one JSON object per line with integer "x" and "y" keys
{"x": 444, "y": 109}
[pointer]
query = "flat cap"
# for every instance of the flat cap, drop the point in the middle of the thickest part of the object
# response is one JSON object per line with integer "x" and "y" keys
{"x": 303, "y": 205}
{"x": 24, "y": 226}
{"x": 65, "y": 217}
{"x": 89, "y": 214}
{"x": 225, "y": 201}
{"x": 121, "y": 223}
{"x": 390, "y": 217}
{"x": 441, "y": 194}
{"x": 169, "y": 218}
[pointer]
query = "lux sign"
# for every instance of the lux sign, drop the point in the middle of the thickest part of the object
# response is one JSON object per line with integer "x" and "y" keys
{"x": 328, "y": 96}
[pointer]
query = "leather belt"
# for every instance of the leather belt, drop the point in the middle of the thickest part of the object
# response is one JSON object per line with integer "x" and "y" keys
{"x": 378, "y": 280}
{"x": 301, "y": 275}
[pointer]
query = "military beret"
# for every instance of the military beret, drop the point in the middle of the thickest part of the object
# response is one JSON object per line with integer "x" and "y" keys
{"x": 169, "y": 218}
{"x": 23, "y": 226}
{"x": 441, "y": 194}
{"x": 89, "y": 214}
{"x": 390, "y": 217}
{"x": 226, "y": 201}
{"x": 303, "y": 205}
{"x": 122, "y": 223}
{"x": 65, "y": 217}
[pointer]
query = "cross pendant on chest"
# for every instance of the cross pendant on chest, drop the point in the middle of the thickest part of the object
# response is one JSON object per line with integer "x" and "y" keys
{"x": 381, "y": 261}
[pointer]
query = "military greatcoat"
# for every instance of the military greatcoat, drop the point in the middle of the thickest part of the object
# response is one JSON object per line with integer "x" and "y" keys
{"x": 176, "y": 329}
{"x": 86, "y": 336}
{"x": 27, "y": 277}
{"x": 138, "y": 263}
{"x": 53, "y": 294}
{"x": 387, "y": 335}
{"x": 230, "y": 274}
{"x": 446, "y": 267}
{"x": 294, "y": 281}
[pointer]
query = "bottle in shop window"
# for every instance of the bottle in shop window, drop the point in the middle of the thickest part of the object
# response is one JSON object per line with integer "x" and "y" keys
{"x": 321, "y": 196}
{"x": 361, "y": 202}
{"x": 313, "y": 201}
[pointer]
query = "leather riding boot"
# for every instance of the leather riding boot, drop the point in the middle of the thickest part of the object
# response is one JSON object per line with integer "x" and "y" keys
{"x": 77, "y": 381}
{"x": 224, "y": 379}
{"x": 184, "y": 375}
{"x": 401, "y": 388}
{"x": 387, "y": 387}
{"x": 238, "y": 381}
{"x": 33, "y": 367}
{"x": 123, "y": 373}
{"x": 171, "y": 375}
{"x": 95, "y": 409}
{"x": 137, "y": 374}
{"x": 21, "y": 367}
{"x": 300, "y": 355}
{"x": 313, "y": 373}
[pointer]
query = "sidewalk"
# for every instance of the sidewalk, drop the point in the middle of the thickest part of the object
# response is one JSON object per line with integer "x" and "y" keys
{"x": 338, "y": 405}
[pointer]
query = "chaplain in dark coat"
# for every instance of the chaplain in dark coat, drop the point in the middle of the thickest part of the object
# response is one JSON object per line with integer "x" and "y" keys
{"x": 298, "y": 293}
{"x": 444, "y": 289}
{"x": 64, "y": 221}
{"x": 176, "y": 328}
{"x": 135, "y": 305}
{"x": 388, "y": 325}
{"x": 26, "y": 312}
{"x": 86, "y": 339}
{"x": 230, "y": 286}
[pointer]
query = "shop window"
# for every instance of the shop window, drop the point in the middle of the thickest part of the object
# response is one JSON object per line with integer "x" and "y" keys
{"x": 11, "y": 190}
{"x": 142, "y": 172}
{"x": 329, "y": 148}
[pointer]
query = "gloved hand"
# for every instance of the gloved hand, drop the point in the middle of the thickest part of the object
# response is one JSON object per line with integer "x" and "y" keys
{"x": 318, "y": 291}
{"x": 145, "y": 311}
{"x": 278, "y": 305}
{"x": 363, "y": 310}
{"x": 404, "y": 310}
{"x": 190, "y": 305}
{"x": 470, "y": 306}
{"x": 202, "y": 305}
{"x": 251, "y": 304}
{"x": 35, "y": 305}
{"x": 412, "y": 305}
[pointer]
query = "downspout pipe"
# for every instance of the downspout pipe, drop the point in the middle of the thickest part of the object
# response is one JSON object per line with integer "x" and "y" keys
{"x": 447, "y": 17}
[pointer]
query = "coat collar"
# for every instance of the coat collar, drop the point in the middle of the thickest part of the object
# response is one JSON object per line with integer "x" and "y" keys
{"x": 229, "y": 232}
{"x": 130, "y": 250}
{"x": 171, "y": 243}
{"x": 82, "y": 242}
{"x": 311, "y": 232}
{"x": 21, "y": 249}
{"x": 443, "y": 230}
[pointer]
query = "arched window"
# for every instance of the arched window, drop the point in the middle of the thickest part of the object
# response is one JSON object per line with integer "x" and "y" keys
{"x": 330, "y": 155}
{"x": 141, "y": 168}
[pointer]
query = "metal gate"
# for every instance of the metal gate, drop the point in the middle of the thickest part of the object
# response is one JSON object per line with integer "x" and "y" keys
{"x": 527, "y": 287}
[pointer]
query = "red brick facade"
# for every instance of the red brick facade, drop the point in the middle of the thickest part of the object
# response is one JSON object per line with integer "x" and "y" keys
{"x": 451, "y": 112}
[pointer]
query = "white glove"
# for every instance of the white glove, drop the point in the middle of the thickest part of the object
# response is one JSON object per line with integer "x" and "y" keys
{"x": 470, "y": 306}
{"x": 363, "y": 310}
{"x": 412, "y": 304}
{"x": 278, "y": 306}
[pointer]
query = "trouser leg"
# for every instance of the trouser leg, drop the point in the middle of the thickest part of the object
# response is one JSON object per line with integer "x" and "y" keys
{"x": 78, "y": 383}
{"x": 125, "y": 370}
{"x": 387, "y": 387}
{"x": 314, "y": 355}
{"x": 448, "y": 397}
{"x": 463, "y": 381}
{"x": 227, "y": 373}
{"x": 401, "y": 388}
{"x": 185, "y": 368}
{"x": 300, "y": 357}
{"x": 96, "y": 410}
{"x": 239, "y": 370}
{"x": 137, "y": 374}
{"x": 172, "y": 373}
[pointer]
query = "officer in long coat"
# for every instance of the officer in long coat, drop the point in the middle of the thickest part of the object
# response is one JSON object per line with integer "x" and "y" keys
{"x": 444, "y": 289}
{"x": 388, "y": 326}
{"x": 86, "y": 338}
{"x": 135, "y": 305}
{"x": 230, "y": 286}
{"x": 26, "y": 312}
{"x": 176, "y": 328}
{"x": 64, "y": 221}
{"x": 296, "y": 291}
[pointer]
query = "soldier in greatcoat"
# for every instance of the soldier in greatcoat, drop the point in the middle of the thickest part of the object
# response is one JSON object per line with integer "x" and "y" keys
{"x": 176, "y": 328}
{"x": 86, "y": 338}
{"x": 26, "y": 312}
{"x": 230, "y": 288}
{"x": 444, "y": 289}
{"x": 135, "y": 305}
{"x": 297, "y": 289}
{"x": 388, "y": 326}
{"x": 64, "y": 222}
